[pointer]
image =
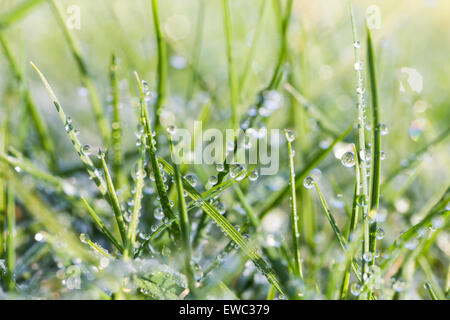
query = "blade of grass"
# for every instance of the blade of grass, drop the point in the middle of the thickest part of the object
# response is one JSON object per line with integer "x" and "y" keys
{"x": 361, "y": 134}
{"x": 430, "y": 290}
{"x": 232, "y": 76}
{"x": 162, "y": 64}
{"x": 116, "y": 131}
{"x": 184, "y": 227}
{"x": 102, "y": 226}
{"x": 10, "y": 236}
{"x": 434, "y": 286}
{"x": 162, "y": 193}
{"x": 18, "y": 12}
{"x": 38, "y": 121}
{"x": 114, "y": 201}
{"x": 138, "y": 188}
{"x": 376, "y": 148}
{"x": 295, "y": 232}
{"x": 86, "y": 77}
{"x": 72, "y": 135}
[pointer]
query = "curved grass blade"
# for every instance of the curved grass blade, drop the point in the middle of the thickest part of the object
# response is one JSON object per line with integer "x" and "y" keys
{"x": 102, "y": 226}
{"x": 73, "y": 137}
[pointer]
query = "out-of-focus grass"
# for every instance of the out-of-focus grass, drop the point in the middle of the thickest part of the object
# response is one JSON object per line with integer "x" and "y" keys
{"x": 190, "y": 58}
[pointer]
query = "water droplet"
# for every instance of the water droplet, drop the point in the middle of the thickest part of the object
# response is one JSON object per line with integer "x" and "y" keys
{"x": 380, "y": 233}
{"x": 290, "y": 135}
{"x": 171, "y": 130}
{"x": 358, "y": 66}
{"x": 308, "y": 183}
{"x": 236, "y": 169}
{"x": 83, "y": 237}
{"x": 382, "y": 155}
{"x": 198, "y": 272}
{"x": 220, "y": 167}
{"x": 212, "y": 180}
{"x": 365, "y": 154}
{"x": 357, "y": 44}
{"x": 86, "y": 149}
{"x": 192, "y": 179}
{"x": 254, "y": 175}
{"x": 368, "y": 256}
{"x": 355, "y": 289}
{"x": 348, "y": 159}
{"x": 158, "y": 213}
{"x": 384, "y": 130}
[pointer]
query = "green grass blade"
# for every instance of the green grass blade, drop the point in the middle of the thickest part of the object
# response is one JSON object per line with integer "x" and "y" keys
{"x": 430, "y": 290}
{"x": 10, "y": 236}
{"x": 38, "y": 121}
{"x": 72, "y": 135}
{"x": 116, "y": 131}
{"x": 232, "y": 76}
{"x": 162, "y": 64}
{"x": 101, "y": 225}
{"x": 184, "y": 226}
{"x": 18, "y": 12}
{"x": 295, "y": 232}
{"x": 376, "y": 147}
{"x": 86, "y": 78}
{"x": 162, "y": 193}
{"x": 138, "y": 187}
{"x": 114, "y": 200}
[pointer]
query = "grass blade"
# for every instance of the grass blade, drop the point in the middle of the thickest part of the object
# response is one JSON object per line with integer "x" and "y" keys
{"x": 18, "y": 12}
{"x": 72, "y": 135}
{"x": 295, "y": 232}
{"x": 232, "y": 76}
{"x": 101, "y": 225}
{"x": 376, "y": 146}
{"x": 162, "y": 64}
{"x": 10, "y": 236}
{"x": 114, "y": 201}
{"x": 86, "y": 78}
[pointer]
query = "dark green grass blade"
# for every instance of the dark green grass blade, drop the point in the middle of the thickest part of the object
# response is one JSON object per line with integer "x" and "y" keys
{"x": 376, "y": 147}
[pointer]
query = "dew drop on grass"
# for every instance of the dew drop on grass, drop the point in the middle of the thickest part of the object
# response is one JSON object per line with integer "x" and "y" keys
{"x": 236, "y": 169}
{"x": 154, "y": 227}
{"x": 220, "y": 167}
{"x": 254, "y": 175}
{"x": 171, "y": 130}
{"x": 357, "y": 44}
{"x": 355, "y": 289}
{"x": 380, "y": 233}
{"x": 382, "y": 155}
{"x": 83, "y": 237}
{"x": 86, "y": 149}
{"x": 158, "y": 213}
{"x": 308, "y": 183}
{"x": 221, "y": 207}
{"x": 365, "y": 154}
{"x": 368, "y": 256}
{"x": 290, "y": 135}
{"x": 358, "y": 66}
{"x": 198, "y": 272}
{"x": 212, "y": 180}
{"x": 192, "y": 179}
{"x": 348, "y": 159}
{"x": 384, "y": 130}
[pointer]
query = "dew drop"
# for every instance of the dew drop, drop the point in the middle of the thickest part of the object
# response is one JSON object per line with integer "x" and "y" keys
{"x": 308, "y": 183}
{"x": 348, "y": 159}
{"x": 254, "y": 175}
{"x": 86, "y": 149}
